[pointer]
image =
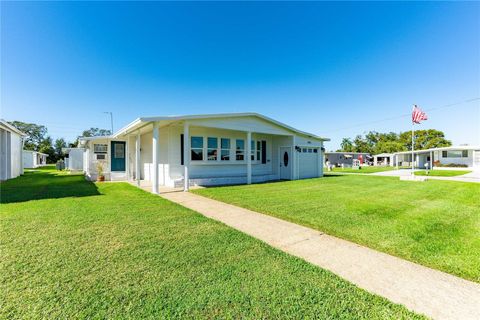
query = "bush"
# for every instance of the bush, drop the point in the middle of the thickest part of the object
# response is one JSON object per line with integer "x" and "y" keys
{"x": 451, "y": 165}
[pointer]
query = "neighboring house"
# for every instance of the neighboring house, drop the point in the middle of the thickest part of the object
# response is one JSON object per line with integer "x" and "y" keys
{"x": 346, "y": 158}
{"x": 34, "y": 159}
{"x": 211, "y": 149}
{"x": 74, "y": 158}
{"x": 466, "y": 156}
{"x": 11, "y": 145}
{"x": 383, "y": 159}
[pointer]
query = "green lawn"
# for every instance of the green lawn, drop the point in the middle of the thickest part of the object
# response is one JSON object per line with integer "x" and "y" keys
{"x": 73, "y": 249}
{"x": 442, "y": 173}
{"x": 434, "y": 223}
{"x": 365, "y": 169}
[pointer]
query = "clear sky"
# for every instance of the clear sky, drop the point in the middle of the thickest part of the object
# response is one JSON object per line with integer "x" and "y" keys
{"x": 332, "y": 69}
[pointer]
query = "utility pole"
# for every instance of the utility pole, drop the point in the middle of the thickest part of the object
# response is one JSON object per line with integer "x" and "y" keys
{"x": 111, "y": 118}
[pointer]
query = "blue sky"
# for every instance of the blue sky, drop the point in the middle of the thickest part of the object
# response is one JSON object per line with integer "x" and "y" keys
{"x": 332, "y": 69}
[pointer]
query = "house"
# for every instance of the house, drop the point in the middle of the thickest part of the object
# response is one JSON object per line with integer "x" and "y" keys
{"x": 455, "y": 156}
{"x": 208, "y": 149}
{"x": 34, "y": 159}
{"x": 11, "y": 145}
{"x": 74, "y": 158}
{"x": 383, "y": 159}
{"x": 346, "y": 158}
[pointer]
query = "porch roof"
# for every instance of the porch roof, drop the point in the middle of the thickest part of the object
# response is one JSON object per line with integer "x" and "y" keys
{"x": 141, "y": 122}
{"x": 441, "y": 149}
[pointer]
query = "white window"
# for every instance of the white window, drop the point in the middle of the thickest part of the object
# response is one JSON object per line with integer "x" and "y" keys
{"x": 100, "y": 148}
{"x": 197, "y": 148}
{"x": 212, "y": 149}
{"x": 455, "y": 154}
{"x": 225, "y": 149}
{"x": 240, "y": 149}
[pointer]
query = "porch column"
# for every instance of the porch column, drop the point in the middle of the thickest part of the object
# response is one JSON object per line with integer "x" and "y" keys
{"x": 431, "y": 160}
{"x": 155, "y": 148}
{"x": 249, "y": 157}
{"x": 396, "y": 161}
{"x": 137, "y": 158}
{"x": 186, "y": 156}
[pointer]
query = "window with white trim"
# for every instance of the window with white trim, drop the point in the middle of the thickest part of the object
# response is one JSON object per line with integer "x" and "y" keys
{"x": 100, "y": 148}
{"x": 455, "y": 154}
{"x": 212, "y": 148}
{"x": 240, "y": 149}
{"x": 225, "y": 149}
{"x": 196, "y": 148}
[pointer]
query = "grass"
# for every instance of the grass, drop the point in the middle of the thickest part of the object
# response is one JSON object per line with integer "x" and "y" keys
{"x": 442, "y": 173}
{"x": 364, "y": 169}
{"x": 434, "y": 223}
{"x": 74, "y": 249}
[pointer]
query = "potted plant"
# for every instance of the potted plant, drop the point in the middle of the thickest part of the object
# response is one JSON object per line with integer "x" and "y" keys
{"x": 100, "y": 173}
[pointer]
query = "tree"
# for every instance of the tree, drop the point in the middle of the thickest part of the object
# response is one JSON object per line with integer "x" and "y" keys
{"x": 424, "y": 139}
{"x": 346, "y": 145}
{"x": 58, "y": 146}
{"x": 45, "y": 146}
{"x": 93, "y": 132}
{"x": 362, "y": 145}
{"x": 35, "y": 134}
{"x": 376, "y": 142}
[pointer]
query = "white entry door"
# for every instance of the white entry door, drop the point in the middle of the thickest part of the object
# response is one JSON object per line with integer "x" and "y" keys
{"x": 285, "y": 163}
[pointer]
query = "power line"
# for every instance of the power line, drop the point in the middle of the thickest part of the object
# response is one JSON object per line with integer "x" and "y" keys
{"x": 403, "y": 115}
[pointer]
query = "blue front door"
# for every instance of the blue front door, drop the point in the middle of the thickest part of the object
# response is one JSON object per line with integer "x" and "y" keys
{"x": 118, "y": 156}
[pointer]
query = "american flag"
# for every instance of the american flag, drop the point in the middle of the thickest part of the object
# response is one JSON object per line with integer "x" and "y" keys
{"x": 418, "y": 115}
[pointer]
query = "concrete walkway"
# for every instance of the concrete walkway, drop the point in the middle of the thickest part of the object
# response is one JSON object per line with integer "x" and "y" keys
{"x": 433, "y": 293}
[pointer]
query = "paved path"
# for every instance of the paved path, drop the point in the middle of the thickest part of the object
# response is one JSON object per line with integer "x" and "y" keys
{"x": 433, "y": 293}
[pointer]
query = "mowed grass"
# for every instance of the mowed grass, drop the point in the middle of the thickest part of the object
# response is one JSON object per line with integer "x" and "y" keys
{"x": 73, "y": 249}
{"x": 364, "y": 169}
{"x": 434, "y": 223}
{"x": 442, "y": 173}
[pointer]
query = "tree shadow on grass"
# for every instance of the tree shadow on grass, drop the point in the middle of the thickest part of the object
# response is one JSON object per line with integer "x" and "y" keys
{"x": 36, "y": 185}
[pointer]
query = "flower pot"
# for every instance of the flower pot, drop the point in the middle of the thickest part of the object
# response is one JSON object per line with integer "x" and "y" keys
{"x": 101, "y": 178}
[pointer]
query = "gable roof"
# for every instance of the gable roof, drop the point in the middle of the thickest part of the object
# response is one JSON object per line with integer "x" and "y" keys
{"x": 140, "y": 122}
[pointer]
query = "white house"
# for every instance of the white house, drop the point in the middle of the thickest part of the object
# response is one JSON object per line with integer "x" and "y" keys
{"x": 467, "y": 156}
{"x": 34, "y": 159}
{"x": 11, "y": 145}
{"x": 74, "y": 158}
{"x": 211, "y": 149}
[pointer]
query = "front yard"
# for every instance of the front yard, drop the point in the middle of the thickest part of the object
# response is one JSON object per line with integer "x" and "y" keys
{"x": 73, "y": 249}
{"x": 434, "y": 223}
{"x": 442, "y": 173}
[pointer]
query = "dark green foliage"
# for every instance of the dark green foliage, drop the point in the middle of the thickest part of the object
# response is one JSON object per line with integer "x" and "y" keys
{"x": 375, "y": 142}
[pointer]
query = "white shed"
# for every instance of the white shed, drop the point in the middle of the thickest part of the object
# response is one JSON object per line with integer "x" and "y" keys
{"x": 74, "y": 159}
{"x": 34, "y": 159}
{"x": 11, "y": 145}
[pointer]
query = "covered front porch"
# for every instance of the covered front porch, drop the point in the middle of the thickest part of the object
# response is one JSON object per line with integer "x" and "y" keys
{"x": 184, "y": 154}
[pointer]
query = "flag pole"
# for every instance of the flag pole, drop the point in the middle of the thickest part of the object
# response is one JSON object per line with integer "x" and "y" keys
{"x": 413, "y": 128}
